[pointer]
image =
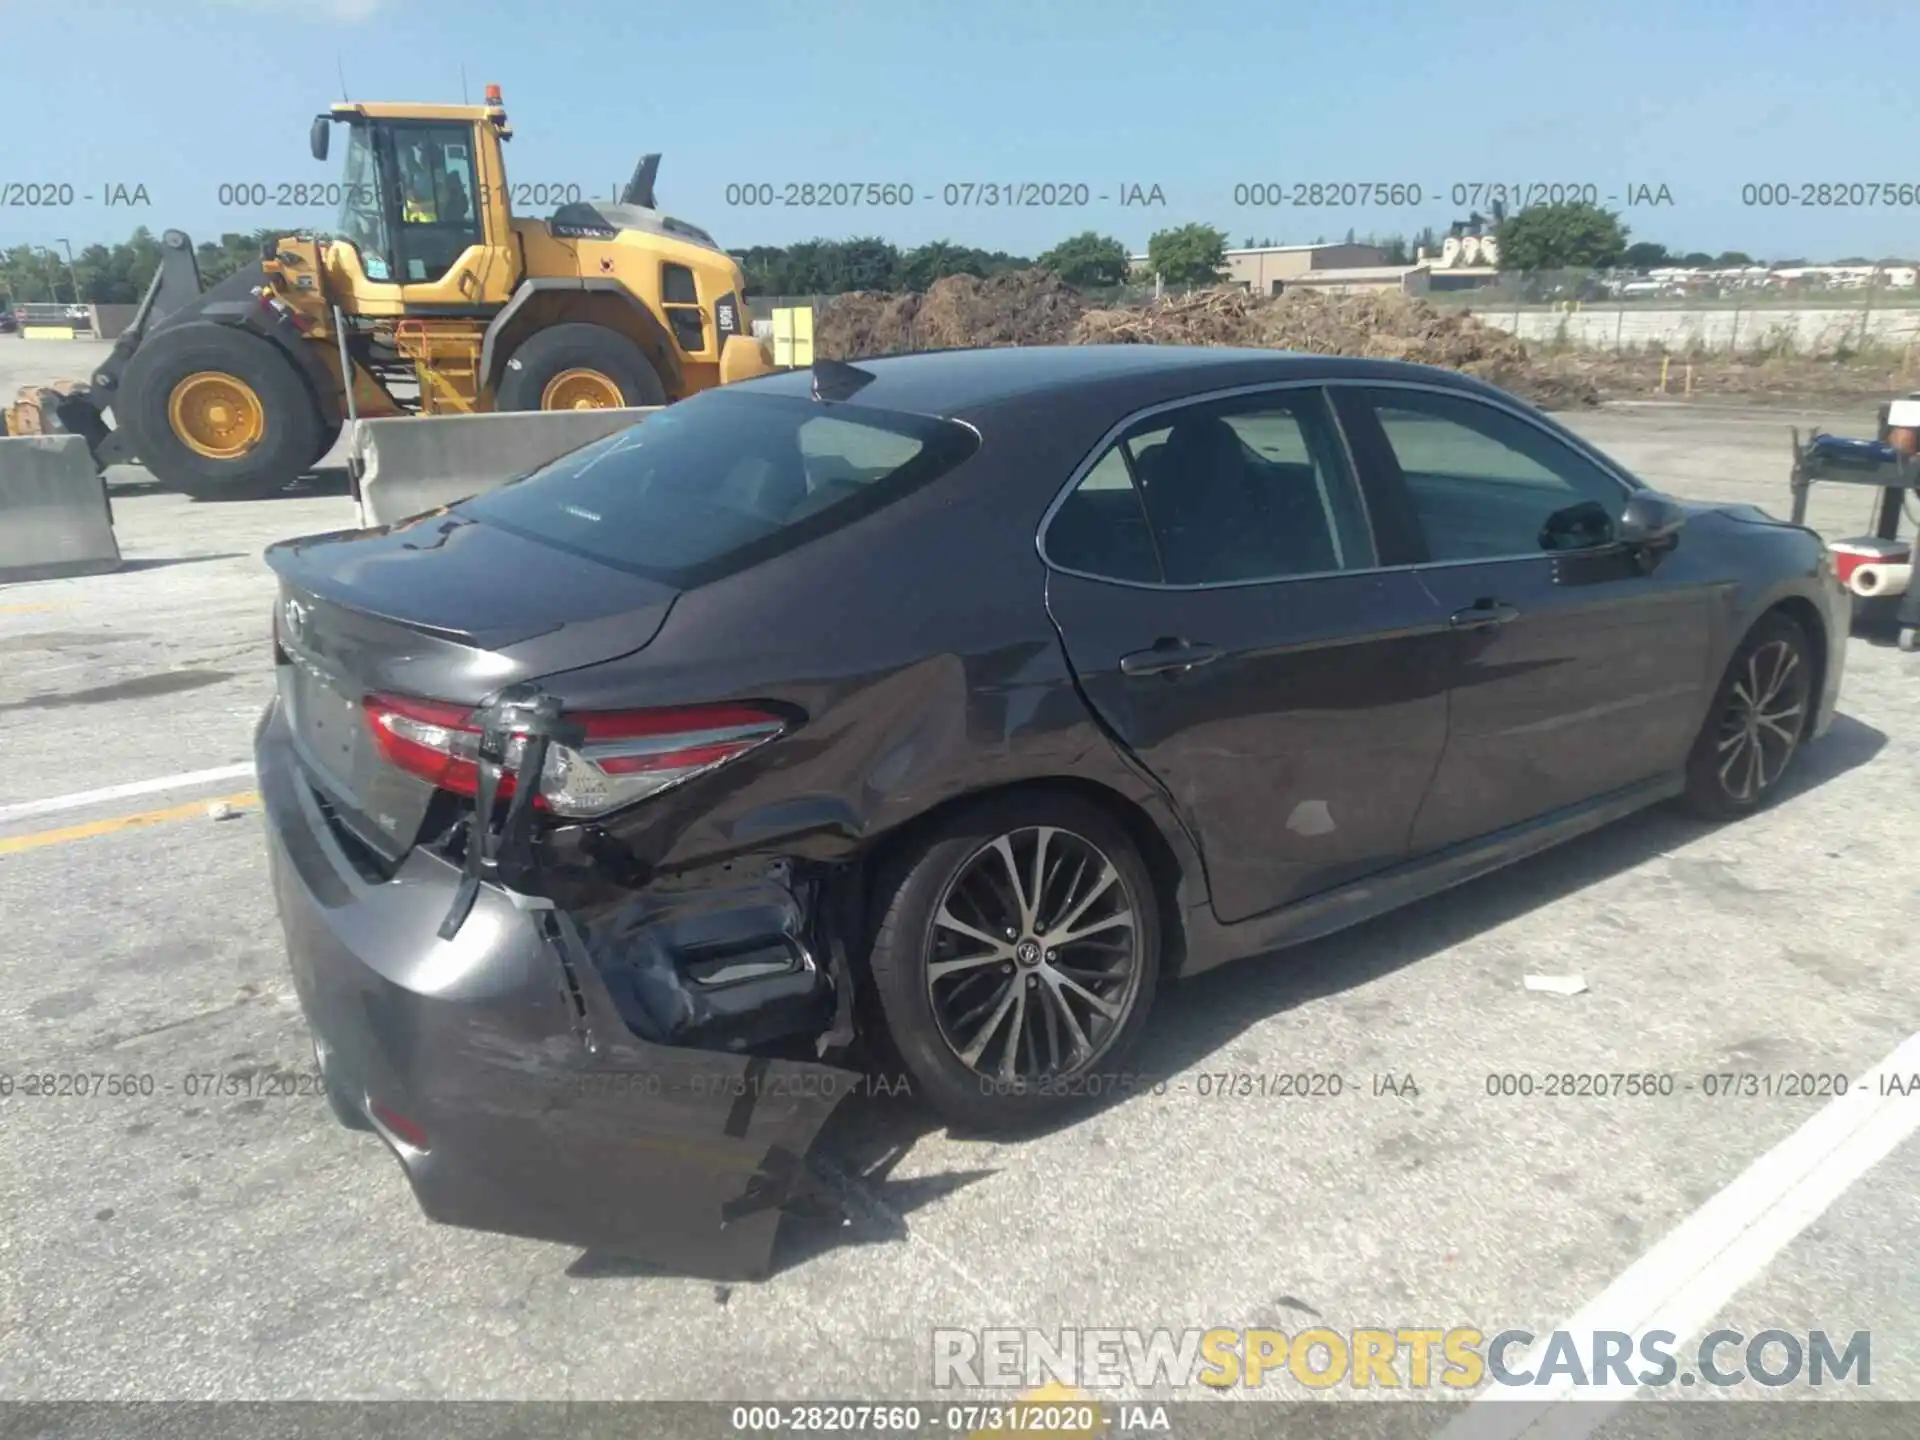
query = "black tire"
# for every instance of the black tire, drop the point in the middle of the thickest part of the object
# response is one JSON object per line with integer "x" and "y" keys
{"x": 1727, "y": 776}
{"x": 548, "y": 353}
{"x": 292, "y": 425}
{"x": 346, "y": 1109}
{"x": 919, "y": 883}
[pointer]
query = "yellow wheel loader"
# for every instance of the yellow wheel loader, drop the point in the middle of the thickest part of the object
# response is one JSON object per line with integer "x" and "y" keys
{"x": 433, "y": 298}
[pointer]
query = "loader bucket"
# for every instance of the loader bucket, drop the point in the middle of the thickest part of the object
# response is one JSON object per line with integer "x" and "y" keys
{"x": 60, "y": 407}
{"x": 74, "y": 407}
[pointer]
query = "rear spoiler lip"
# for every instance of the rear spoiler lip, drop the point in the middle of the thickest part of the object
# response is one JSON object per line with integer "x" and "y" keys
{"x": 283, "y": 558}
{"x": 565, "y": 644}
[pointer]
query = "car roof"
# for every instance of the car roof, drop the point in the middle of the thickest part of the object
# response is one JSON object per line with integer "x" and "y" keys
{"x": 963, "y": 382}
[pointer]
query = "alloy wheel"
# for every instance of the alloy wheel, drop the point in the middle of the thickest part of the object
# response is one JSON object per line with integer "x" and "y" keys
{"x": 1761, "y": 725}
{"x": 1033, "y": 957}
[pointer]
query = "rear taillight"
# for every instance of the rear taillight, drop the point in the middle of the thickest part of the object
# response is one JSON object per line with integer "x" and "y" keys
{"x": 434, "y": 741}
{"x": 626, "y": 756}
{"x": 407, "y": 1132}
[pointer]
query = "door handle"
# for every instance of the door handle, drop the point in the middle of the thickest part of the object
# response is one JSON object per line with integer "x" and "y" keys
{"x": 1169, "y": 657}
{"x": 1483, "y": 613}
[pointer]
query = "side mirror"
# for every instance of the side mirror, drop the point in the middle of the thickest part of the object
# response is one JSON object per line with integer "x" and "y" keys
{"x": 1650, "y": 521}
{"x": 1585, "y": 526}
{"x": 319, "y": 136}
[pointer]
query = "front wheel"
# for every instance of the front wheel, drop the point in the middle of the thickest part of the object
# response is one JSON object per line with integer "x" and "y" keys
{"x": 218, "y": 412}
{"x": 1015, "y": 958}
{"x": 1760, "y": 714}
{"x": 579, "y": 367}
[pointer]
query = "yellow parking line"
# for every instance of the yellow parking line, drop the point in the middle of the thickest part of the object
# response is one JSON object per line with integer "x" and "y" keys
{"x": 118, "y": 823}
{"x": 34, "y": 605}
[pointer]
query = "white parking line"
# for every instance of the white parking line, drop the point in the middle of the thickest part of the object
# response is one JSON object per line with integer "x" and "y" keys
{"x": 80, "y": 799}
{"x": 1686, "y": 1279}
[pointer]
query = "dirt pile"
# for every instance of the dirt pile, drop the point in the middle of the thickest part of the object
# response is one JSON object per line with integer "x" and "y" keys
{"x": 1020, "y": 307}
{"x": 1036, "y": 307}
{"x": 1383, "y": 326}
{"x": 865, "y": 322}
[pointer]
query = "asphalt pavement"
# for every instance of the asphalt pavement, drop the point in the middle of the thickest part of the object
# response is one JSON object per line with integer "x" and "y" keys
{"x": 204, "y": 1238}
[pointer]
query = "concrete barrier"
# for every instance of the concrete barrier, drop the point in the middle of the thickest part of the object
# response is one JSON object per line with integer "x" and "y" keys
{"x": 55, "y": 519}
{"x": 413, "y": 464}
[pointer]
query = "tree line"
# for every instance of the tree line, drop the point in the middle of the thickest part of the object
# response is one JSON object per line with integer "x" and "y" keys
{"x": 1579, "y": 235}
{"x": 1574, "y": 235}
{"x": 114, "y": 274}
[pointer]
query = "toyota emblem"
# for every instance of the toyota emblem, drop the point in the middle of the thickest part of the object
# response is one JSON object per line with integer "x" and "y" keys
{"x": 293, "y": 618}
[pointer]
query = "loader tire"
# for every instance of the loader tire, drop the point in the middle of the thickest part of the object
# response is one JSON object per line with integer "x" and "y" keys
{"x": 219, "y": 413}
{"x": 578, "y": 367}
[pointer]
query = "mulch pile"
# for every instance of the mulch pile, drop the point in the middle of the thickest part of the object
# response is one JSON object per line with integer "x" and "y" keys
{"x": 1377, "y": 325}
{"x": 1021, "y": 307}
{"x": 1036, "y": 307}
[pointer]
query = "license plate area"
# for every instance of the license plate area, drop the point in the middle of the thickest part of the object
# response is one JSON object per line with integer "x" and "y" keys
{"x": 329, "y": 726}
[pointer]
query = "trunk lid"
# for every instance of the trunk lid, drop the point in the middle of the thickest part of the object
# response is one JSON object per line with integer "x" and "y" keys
{"x": 439, "y": 608}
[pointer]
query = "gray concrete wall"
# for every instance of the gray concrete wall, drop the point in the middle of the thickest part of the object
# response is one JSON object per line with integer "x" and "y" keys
{"x": 1811, "y": 331}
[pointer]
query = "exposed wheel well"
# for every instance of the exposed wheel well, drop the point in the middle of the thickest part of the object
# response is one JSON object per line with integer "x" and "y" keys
{"x": 878, "y": 863}
{"x": 1801, "y": 611}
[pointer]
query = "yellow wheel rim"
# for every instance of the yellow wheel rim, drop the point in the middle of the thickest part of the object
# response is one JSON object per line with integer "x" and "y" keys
{"x": 581, "y": 390}
{"x": 216, "y": 415}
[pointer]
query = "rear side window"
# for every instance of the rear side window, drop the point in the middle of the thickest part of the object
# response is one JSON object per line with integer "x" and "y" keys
{"x": 1218, "y": 493}
{"x": 1255, "y": 488}
{"x": 1101, "y": 528}
{"x": 722, "y": 481}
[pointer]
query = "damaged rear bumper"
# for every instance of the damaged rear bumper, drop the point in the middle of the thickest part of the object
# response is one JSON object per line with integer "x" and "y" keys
{"x": 499, "y": 1069}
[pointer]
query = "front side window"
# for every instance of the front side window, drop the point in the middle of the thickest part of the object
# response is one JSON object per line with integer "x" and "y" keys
{"x": 363, "y": 214}
{"x": 1485, "y": 484}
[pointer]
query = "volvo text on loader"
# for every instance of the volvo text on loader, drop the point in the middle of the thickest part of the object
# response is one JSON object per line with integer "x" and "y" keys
{"x": 433, "y": 298}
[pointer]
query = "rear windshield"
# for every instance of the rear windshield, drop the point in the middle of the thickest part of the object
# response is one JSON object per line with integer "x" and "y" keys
{"x": 722, "y": 481}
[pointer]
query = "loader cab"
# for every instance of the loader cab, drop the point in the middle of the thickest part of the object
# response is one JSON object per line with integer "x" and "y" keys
{"x": 423, "y": 211}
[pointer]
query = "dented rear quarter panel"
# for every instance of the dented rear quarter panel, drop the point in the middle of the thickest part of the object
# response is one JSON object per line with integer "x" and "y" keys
{"x": 920, "y": 683}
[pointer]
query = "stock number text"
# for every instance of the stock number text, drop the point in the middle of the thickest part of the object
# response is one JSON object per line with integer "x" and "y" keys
{"x": 256, "y": 193}
{"x": 1852, "y": 195}
{"x": 1316, "y": 194}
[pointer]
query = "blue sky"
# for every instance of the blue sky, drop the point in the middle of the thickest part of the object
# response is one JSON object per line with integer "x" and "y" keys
{"x": 183, "y": 96}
